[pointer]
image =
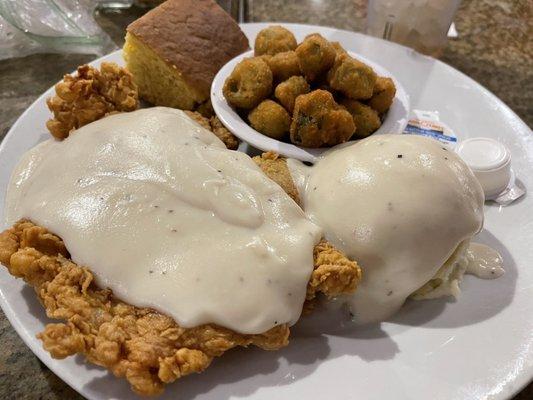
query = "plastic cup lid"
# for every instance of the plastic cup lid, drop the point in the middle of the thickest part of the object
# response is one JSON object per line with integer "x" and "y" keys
{"x": 483, "y": 154}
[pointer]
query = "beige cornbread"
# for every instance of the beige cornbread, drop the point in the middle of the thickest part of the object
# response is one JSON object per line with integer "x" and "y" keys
{"x": 175, "y": 50}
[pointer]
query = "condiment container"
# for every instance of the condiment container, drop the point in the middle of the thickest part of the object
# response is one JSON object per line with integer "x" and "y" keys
{"x": 490, "y": 161}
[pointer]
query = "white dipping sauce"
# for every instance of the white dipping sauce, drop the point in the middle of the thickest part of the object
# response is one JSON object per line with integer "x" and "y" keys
{"x": 484, "y": 262}
{"x": 398, "y": 204}
{"x": 168, "y": 218}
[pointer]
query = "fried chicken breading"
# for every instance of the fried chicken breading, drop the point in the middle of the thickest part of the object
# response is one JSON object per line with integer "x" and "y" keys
{"x": 214, "y": 125}
{"x": 229, "y": 139}
{"x": 276, "y": 169}
{"x": 200, "y": 119}
{"x": 90, "y": 95}
{"x": 206, "y": 109}
{"x": 329, "y": 268}
{"x": 140, "y": 344}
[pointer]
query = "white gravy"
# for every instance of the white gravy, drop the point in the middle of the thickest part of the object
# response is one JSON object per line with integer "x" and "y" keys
{"x": 398, "y": 204}
{"x": 484, "y": 262}
{"x": 168, "y": 218}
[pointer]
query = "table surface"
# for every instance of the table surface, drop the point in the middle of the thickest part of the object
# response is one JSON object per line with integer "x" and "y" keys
{"x": 492, "y": 47}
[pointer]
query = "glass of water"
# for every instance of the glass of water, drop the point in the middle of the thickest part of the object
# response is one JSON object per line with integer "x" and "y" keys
{"x": 420, "y": 24}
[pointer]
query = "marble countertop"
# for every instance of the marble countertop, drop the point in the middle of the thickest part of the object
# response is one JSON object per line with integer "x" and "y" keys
{"x": 493, "y": 48}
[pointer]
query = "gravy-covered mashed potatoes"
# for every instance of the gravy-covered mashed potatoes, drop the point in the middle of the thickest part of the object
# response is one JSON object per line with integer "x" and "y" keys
{"x": 403, "y": 206}
{"x": 168, "y": 218}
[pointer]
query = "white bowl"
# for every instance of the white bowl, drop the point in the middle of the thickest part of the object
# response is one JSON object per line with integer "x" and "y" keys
{"x": 394, "y": 122}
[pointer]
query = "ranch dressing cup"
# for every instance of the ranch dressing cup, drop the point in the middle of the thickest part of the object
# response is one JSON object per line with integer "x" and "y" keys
{"x": 490, "y": 161}
{"x": 420, "y": 24}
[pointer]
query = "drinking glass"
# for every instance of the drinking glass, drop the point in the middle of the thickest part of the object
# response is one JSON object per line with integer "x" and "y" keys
{"x": 420, "y": 24}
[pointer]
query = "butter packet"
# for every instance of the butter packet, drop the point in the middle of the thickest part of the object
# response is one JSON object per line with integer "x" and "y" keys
{"x": 427, "y": 123}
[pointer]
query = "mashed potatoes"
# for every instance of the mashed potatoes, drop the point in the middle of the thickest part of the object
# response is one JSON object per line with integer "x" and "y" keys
{"x": 404, "y": 206}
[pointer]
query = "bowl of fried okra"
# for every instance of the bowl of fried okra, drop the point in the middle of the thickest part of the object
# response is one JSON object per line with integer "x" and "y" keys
{"x": 299, "y": 99}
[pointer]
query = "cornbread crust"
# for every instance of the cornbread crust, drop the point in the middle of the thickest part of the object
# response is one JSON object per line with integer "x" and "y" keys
{"x": 194, "y": 37}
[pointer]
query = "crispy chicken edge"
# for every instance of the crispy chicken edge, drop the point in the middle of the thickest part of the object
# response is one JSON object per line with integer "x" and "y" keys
{"x": 140, "y": 344}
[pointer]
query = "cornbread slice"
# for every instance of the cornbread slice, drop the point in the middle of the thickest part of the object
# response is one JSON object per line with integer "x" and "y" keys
{"x": 175, "y": 50}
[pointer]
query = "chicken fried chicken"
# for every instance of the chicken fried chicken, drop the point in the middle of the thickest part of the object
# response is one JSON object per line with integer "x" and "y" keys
{"x": 89, "y": 95}
{"x": 275, "y": 167}
{"x": 140, "y": 344}
{"x": 214, "y": 125}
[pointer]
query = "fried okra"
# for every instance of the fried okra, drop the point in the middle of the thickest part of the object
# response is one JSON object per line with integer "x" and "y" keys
{"x": 287, "y": 91}
{"x": 352, "y": 78}
{"x": 319, "y": 121}
{"x": 365, "y": 118}
{"x": 384, "y": 92}
{"x": 270, "y": 119}
{"x": 316, "y": 56}
{"x": 338, "y": 48}
{"x": 249, "y": 83}
{"x": 274, "y": 39}
{"x": 283, "y": 65}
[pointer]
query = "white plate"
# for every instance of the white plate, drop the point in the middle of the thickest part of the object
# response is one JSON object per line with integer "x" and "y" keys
{"x": 395, "y": 119}
{"x": 479, "y": 347}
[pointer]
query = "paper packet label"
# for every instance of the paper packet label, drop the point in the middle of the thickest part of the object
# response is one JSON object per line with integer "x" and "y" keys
{"x": 427, "y": 123}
